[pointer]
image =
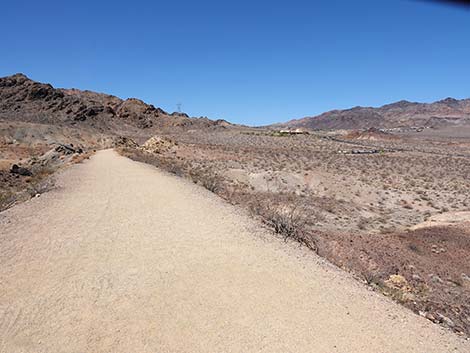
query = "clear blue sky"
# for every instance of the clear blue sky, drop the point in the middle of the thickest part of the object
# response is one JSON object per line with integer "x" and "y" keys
{"x": 252, "y": 62}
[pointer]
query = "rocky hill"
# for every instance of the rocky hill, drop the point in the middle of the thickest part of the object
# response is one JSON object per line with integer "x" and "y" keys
{"x": 43, "y": 129}
{"x": 443, "y": 113}
{"x": 22, "y": 99}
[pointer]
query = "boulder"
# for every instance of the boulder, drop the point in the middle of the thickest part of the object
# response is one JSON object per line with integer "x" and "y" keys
{"x": 66, "y": 149}
{"x": 158, "y": 144}
{"x": 15, "y": 169}
{"x": 122, "y": 141}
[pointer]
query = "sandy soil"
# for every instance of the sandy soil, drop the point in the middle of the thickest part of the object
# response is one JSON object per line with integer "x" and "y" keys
{"x": 445, "y": 219}
{"x": 125, "y": 258}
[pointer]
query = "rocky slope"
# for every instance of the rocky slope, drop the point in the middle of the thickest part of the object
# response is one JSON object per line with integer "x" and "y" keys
{"x": 22, "y": 99}
{"x": 443, "y": 113}
{"x": 37, "y": 120}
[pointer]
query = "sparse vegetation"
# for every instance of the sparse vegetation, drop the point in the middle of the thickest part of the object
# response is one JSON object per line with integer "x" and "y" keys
{"x": 351, "y": 209}
{"x": 351, "y": 197}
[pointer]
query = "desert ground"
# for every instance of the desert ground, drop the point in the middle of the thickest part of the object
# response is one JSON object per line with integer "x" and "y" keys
{"x": 122, "y": 257}
{"x": 364, "y": 197}
{"x": 397, "y": 218}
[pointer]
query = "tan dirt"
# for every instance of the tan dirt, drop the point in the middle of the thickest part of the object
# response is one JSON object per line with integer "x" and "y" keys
{"x": 445, "y": 219}
{"x": 125, "y": 258}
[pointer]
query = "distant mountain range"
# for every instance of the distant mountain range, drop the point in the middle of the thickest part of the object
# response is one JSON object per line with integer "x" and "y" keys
{"x": 443, "y": 113}
{"x": 22, "y": 99}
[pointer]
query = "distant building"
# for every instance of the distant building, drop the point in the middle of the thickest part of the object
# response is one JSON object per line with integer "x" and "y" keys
{"x": 293, "y": 132}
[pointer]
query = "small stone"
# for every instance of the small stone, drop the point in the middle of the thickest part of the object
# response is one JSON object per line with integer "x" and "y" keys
{"x": 435, "y": 278}
{"x": 445, "y": 320}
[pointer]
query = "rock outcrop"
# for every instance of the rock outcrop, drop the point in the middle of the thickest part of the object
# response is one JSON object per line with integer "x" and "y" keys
{"x": 22, "y": 99}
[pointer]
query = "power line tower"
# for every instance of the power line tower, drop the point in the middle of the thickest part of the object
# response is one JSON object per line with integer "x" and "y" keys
{"x": 178, "y": 107}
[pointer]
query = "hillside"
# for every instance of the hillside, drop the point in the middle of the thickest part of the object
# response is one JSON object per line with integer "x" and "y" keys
{"x": 43, "y": 129}
{"x": 22, "y": 99}
{"x": 443, "y": 113}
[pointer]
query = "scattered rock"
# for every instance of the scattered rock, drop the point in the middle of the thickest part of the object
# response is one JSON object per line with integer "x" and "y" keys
{"x": 122, "y": 141}
{"x": 15, "y": 169}
{"x": 68, "y": 149}
{"x": 435, "y": 278}
{"x": 158, "y": 144}
{"x": 445, "y": 320}
{"x": 435, "y": 249}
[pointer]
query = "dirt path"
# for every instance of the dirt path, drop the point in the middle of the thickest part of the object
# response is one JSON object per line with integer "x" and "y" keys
{"x": 124, "y": 258}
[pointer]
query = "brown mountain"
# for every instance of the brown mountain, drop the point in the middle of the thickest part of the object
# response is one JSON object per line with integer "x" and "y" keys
{"x": 22, "y": 99}
{"x": 446, "y": 112}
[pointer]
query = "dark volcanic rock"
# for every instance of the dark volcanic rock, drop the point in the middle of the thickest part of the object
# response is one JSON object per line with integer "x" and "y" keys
{"x": 15, "y": 169}
{"x": 68, "y": 149}
{"x": 22, "y": 99}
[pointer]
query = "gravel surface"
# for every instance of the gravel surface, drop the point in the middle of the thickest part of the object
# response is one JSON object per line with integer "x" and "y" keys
{"x": 122, "y": 257}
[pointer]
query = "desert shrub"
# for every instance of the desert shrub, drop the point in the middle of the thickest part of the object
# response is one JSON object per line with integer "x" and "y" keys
{"x": 207, "y": 178}
{"x": 41, "y": 182}
{"x": 286, "y": 215}
{"x": 211, "y": 183}
{"x": 82, "y": 157}
{"x": 363, "y": 223}
{"x": 6, "y": 199}
{"x": 176, "y": 169}
{"x": 371, "y": 278}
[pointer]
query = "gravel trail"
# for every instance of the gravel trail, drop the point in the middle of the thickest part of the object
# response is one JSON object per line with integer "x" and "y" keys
{"x": 122, "y": 257}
